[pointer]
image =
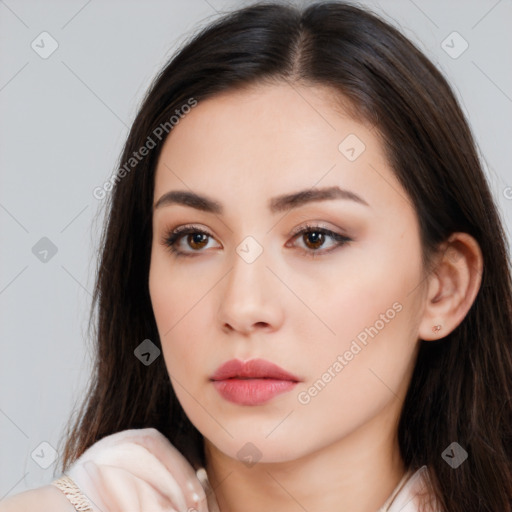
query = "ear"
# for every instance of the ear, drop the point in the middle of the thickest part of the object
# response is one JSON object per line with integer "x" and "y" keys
{"x": 452, "y": 286}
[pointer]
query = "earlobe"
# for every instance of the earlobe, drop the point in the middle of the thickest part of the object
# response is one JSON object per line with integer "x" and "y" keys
{"x": 452, "y": 286}
{"x": 437, "y": 328}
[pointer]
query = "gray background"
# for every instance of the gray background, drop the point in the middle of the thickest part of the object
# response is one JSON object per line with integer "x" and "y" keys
{"x": 63, "y": 120}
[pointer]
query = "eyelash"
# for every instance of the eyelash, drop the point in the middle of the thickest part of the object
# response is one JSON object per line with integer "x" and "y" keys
{"x": 173, "y": 237}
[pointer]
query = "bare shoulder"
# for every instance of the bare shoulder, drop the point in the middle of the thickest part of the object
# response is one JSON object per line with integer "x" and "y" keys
{"x": 44, "y": 499}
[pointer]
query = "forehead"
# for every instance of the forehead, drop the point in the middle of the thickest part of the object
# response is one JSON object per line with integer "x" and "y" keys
{"x": 270, "y": 140}
{"x": 272, "y": 118}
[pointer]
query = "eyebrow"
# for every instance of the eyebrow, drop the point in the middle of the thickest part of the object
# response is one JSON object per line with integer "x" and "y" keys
{"x": 277, "y": 204}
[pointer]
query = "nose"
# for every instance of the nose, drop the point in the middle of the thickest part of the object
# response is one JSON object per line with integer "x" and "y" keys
{"x": 250, "y": 300}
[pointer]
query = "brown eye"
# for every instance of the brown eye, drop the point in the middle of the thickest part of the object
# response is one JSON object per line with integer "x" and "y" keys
{"x": 197, "y": 240}
{"x": 314, "y": 239}
{"x": 186, "y": 241}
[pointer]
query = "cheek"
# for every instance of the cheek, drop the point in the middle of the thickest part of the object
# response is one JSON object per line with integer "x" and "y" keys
{"x": 183, "y": 326}
{"x": 173, "y": 291}
{"x": 178, "y": 303}
{"x": 366, "y": 285}
{"x": 368, "y": 357}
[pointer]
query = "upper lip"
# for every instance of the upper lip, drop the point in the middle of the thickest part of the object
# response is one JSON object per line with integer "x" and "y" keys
{"x": 252, "y": 369}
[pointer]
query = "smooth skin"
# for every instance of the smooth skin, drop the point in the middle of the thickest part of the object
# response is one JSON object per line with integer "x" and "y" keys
{"x": 339, "y": 451}
{"x": 43, "y": 499}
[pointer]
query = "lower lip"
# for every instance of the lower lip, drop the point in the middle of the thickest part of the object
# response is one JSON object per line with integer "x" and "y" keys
{"x": 252, "y": 391}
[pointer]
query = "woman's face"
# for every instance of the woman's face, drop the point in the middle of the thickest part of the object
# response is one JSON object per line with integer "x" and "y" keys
{"x": 330, "y": 289}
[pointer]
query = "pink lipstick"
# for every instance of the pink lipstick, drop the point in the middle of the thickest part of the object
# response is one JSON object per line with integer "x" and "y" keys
{"x": 252, "y": 382}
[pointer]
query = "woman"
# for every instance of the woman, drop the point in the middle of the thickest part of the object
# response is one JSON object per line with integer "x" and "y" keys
{"x": 301, "y": 228}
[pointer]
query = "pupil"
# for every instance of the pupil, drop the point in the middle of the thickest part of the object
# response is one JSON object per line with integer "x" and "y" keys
{"x": 315, "y": 237}
{"x": 197, "y": 239}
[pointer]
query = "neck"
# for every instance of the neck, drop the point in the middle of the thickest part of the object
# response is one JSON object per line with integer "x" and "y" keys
{"x": 356, "y": 474}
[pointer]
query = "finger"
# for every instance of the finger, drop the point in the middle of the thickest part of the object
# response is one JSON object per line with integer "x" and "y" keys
{"x": 122, "y": 491}
{"x": 143, "y": 464}
{"x": 176, "y": 464}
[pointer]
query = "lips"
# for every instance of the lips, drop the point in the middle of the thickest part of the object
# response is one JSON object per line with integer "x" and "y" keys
{"x": 252, "y": 369}
{"x": 252, "y": 382}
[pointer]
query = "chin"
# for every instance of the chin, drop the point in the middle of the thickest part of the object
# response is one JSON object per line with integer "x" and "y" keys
{"x": 251, "y": 449}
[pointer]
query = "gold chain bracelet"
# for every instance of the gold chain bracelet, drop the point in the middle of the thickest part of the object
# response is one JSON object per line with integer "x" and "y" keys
{"x": 73, "y": 494}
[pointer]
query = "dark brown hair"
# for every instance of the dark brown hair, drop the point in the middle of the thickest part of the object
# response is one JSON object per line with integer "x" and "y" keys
{"x": 461, "y": 387}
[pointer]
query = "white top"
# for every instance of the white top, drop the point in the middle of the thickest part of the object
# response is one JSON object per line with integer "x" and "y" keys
{"x": 404, "y": 497}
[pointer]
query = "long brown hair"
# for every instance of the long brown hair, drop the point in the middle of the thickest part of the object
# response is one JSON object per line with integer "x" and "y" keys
{"x": 461, "y": 387}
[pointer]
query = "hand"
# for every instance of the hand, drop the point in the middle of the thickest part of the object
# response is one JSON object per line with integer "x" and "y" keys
{"x": 137, "y": 470}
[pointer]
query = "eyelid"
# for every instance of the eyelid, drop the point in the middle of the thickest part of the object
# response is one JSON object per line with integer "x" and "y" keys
{"x": 308, "y": 226}
{"x": 339, "y": 238}
{"x": 177, "y": 233}
{"x": 185, "y": 229}
{"x": 303, "y": 227}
